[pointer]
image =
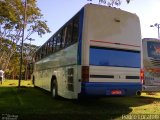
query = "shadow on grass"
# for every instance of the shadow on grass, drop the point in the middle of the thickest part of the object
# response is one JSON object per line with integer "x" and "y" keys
{"x": 32, "y": 103}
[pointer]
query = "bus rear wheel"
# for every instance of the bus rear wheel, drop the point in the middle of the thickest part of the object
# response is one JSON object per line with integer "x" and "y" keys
{"x": 54, "y": 89}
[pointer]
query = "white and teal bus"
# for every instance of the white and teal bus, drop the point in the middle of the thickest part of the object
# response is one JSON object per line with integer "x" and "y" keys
{"x": 97, "y": 53}
{"x": 150, "y": 72}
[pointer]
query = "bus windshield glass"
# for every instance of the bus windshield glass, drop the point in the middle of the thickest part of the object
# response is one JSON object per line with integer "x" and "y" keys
{"x": 114, "y": 57}
{"x": 153, "y": 49}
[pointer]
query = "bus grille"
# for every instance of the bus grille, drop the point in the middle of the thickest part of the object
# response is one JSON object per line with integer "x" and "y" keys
{"x": 155, "y": 62}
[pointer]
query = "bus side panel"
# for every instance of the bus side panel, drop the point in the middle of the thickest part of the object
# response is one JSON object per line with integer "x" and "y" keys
{"x": 58, "y": 65}
{"x": 38, "y": 74}
{"x": 61, "y": 64}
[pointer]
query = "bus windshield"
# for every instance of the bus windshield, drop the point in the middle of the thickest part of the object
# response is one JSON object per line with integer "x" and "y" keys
{"x": 153, "y": 49}
{"x": 114, "y": 57}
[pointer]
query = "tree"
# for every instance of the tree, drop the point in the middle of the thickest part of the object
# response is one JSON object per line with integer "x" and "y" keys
{"x": 11, "y": 25}
{"x": 7, "y": 44}
{"x": 12, "y": 71}
{"x": 29, "y": 50}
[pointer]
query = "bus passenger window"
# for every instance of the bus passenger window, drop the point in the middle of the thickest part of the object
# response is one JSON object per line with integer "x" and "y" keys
{"x": 75, "y": 30}
{"x": 69, "y": 33}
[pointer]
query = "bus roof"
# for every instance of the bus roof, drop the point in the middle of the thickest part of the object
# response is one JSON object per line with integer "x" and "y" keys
{"x": 85, "y": 6}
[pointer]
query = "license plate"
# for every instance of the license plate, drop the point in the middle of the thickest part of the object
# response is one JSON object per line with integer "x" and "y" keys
{"x": 116, "y": 92}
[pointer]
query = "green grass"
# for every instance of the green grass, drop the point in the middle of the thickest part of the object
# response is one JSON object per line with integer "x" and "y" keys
{"x": 31, "y": 103}
{"x": 13, "y": 83}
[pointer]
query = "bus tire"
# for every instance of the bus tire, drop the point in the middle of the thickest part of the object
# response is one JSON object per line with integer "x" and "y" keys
{"x": 54, "y": 89}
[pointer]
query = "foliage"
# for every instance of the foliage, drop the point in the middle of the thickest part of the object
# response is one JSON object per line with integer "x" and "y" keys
{"x": 13, "y": 68}
{"x": 12, "y": 23}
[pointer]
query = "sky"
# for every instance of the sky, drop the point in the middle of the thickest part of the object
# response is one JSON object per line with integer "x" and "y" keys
{"x": 58, "y": 12}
